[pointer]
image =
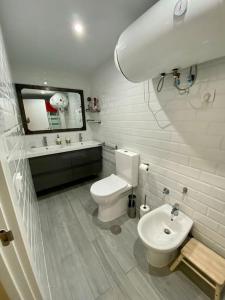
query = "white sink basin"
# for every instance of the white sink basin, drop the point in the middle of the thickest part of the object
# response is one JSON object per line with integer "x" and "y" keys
{"x": 162, "y": 236}
{"x": 44, "y": 149}
{"x": 51, "y": 149}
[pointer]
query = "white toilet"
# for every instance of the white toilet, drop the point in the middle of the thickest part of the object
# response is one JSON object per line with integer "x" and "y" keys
{"x": 111, "y": 193}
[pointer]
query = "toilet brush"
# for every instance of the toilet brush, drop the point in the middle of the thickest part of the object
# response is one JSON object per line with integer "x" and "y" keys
{"x": 133, "y": 199}
{"x": 145, "y": 201}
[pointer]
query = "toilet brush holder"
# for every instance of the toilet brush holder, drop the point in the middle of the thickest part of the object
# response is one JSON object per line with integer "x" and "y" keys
{"x": 131, "y": 210}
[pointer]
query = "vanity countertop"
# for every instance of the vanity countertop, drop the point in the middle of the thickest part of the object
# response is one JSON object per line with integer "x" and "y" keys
{"x": 53, "y": 149}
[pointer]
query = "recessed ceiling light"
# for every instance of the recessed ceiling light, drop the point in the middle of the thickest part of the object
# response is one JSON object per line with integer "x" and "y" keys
{"x": 78, "y": 28}
{"x": 45, "y": 83}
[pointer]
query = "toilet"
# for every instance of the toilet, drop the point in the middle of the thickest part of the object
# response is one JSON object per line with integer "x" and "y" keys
{"x": 111, "y": 193}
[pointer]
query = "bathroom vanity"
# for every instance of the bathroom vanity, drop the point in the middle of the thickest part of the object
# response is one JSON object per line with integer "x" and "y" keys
{"x": 57, "y": 165}
{"x": 46, "y": 109}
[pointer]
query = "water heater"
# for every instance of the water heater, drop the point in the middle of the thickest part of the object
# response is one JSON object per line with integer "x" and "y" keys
{"x": 171, "y": 34}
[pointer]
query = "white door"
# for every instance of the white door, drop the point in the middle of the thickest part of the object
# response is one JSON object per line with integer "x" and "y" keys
{"x": 16, "y": 274}
{"x": 35, "y": 110}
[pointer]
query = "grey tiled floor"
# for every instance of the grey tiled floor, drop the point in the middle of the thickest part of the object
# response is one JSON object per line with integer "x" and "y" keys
{"x": 86, "y": 261}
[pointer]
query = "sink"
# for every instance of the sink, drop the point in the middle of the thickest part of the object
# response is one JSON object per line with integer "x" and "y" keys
{"x": 51, "y": 149}
{"x": 43, "y": 149}
{"x": 37, "y": 150}
{"x": 162, "y": 236}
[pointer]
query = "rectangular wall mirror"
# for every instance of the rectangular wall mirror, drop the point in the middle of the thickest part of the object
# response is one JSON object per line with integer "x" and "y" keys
{"x": 47, "y": 109}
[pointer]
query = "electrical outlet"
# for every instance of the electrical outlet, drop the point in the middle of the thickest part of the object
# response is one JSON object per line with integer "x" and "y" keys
{"x": 208, "y": 96}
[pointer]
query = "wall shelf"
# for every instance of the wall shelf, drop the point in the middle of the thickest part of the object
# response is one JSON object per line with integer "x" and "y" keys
{"x": 92, "y": 111}
{"x": 94, "y": 121}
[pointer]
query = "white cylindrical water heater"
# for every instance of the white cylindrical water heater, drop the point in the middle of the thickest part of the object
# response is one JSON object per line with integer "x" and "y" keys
{"x": 171, "y": 34}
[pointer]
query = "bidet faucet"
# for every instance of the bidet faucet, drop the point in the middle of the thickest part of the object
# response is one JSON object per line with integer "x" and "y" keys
{"x": 174, "y": 211}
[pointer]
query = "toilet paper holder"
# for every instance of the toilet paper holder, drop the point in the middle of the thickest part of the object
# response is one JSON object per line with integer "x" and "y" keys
{"x": 144, "y": 208}
{"x": 147, "y": 165}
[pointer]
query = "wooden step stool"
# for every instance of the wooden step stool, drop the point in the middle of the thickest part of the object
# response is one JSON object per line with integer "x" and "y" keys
{"x": 204, "y": 262}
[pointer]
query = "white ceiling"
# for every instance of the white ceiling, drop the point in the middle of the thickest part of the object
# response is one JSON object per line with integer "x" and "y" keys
{"x": 38, "y": 33}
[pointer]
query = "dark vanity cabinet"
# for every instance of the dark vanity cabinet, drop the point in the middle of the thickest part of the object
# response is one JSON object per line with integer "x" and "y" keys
{"x": 57, "y": 169}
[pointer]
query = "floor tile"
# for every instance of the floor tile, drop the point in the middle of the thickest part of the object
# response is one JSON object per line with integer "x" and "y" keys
{"x": 85, "y": 261}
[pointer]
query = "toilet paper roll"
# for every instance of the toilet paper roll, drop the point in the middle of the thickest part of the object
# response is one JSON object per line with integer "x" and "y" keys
{"x": 144, "y": 167}
{"x": 144, "y": 209}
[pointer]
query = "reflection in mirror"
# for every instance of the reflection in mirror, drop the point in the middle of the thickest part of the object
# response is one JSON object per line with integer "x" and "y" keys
{"x": 48, "y": 109}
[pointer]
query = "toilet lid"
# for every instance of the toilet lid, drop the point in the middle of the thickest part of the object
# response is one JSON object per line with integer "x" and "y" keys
{"x": 108, "y": 186}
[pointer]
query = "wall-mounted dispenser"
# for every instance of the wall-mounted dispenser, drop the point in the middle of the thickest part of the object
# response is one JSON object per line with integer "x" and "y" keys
{"x": 171, "y": 34}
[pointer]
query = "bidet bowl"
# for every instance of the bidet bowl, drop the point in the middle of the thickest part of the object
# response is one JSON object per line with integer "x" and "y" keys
{"x": 162, "y": 236}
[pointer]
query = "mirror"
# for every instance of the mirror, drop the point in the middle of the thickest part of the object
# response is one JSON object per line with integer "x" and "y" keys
{"x": 49, "y": 109}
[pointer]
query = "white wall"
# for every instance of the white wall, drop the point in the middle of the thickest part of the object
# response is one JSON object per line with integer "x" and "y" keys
{"x": 11, "y": 157}
{"x": 56, "y": 79}
{"x": 190, "y": 152}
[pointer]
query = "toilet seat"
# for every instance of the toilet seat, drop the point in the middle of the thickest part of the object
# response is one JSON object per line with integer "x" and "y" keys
{"x": 109, "y": 186}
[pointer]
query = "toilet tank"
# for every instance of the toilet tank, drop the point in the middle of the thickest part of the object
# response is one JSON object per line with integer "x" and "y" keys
{"x": 127, "y": 163}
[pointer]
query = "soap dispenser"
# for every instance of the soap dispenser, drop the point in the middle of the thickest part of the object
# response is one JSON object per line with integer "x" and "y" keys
{"x": 58, "y": 140}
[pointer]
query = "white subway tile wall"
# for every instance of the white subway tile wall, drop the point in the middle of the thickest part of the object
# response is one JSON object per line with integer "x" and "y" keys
{"x": 188, "y": 152}
{"x": 12, "y": 148}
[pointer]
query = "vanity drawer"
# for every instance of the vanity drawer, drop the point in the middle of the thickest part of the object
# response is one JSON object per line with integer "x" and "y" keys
{"x": 86, "y": 170}
{"x": 49, "y": 163}
{"x": 85, "y": 156}
{"x": 49, "y": 180}
{"x": 57, "y": 169}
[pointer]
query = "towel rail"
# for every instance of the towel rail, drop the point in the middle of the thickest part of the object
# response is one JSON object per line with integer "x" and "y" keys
{"x": 109, "y": 147}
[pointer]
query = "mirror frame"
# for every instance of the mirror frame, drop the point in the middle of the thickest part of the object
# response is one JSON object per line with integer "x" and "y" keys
{"x": 19, "y": 87}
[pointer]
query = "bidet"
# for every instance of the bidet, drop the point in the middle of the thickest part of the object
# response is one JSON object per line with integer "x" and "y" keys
{"x": 161, "y": 235}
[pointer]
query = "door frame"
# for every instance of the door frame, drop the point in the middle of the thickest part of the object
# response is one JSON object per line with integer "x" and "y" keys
{"x": 16, "y": 272}
{"x": 6, "y": 281}
{"x": 3, "y": 294}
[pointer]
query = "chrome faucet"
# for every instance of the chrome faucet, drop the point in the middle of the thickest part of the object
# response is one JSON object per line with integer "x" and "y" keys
{"x": 80, "y": 137}
{"x": 44, "y": 141}
{"x": 174, "y": 211}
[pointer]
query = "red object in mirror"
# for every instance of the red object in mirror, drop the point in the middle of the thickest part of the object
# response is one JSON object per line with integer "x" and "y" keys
{"x": 49, "y": 107}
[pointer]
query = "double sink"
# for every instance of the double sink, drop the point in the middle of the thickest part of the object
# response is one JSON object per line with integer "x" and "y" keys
{"x": 57, "y": 165}
{"x": 52, "y": 149}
